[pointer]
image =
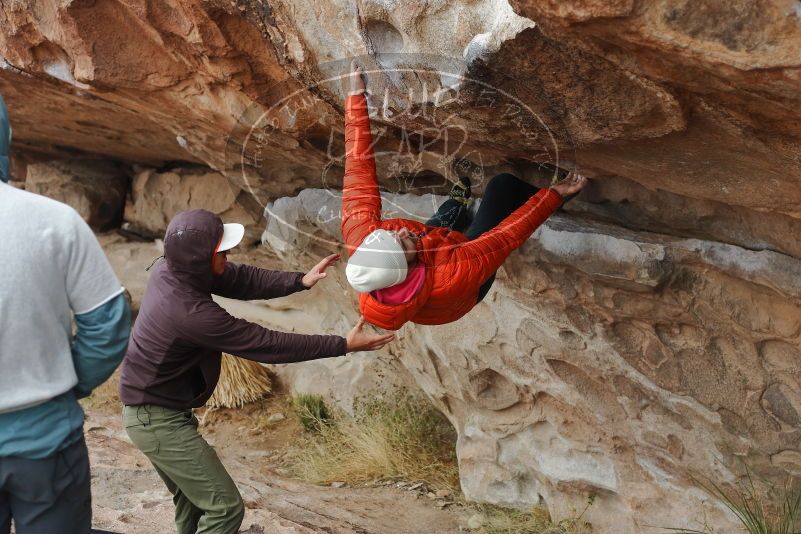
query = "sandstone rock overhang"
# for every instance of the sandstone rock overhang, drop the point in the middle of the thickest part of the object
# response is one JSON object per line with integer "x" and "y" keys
{"x": 650, "y": 336}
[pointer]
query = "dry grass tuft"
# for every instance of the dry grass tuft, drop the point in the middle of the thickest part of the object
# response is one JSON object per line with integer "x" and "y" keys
{"x": 311, "y": 412}
{"x": 105, "y": 398}
{"x": 404, "y": 438}
{"x": 499, "y": 520}
{"x": 241, "y": 381}
{"x": 763, "y": 508}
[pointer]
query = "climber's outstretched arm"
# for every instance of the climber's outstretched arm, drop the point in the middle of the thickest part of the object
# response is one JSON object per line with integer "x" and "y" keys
{"x": 490, "y": 250}
{"x": 361, "y": 200}
{"x": 493, "y": 247}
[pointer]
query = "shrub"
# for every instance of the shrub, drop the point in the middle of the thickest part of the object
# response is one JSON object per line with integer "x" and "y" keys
{"x": 404, "y": 438}
{"x": 758, "y": 513}
{"x": 241, "y": 381}
{"x": 499, "y": 520}
{"x": 311, "y": 412}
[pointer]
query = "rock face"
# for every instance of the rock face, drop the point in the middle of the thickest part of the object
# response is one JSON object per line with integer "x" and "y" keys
{"x": 96, "y": 189}
{"x": 649, "y": 335}
{"x": 605, "y": 362}
{"x": 157, "y": 196}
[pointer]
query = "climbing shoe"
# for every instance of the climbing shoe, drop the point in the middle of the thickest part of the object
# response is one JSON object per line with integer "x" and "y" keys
{"x": 460, "y": 191}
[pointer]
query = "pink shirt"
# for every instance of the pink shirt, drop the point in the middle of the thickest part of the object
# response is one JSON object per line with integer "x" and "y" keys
{"x": 406, "y": 290}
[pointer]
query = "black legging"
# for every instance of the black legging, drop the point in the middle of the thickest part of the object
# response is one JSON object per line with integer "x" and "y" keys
{"x": 503, "y": 195}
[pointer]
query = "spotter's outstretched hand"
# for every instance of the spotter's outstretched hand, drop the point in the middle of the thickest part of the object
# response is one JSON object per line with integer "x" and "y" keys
{"x": 359, "y": 340}
{"x": 318, "y": 271}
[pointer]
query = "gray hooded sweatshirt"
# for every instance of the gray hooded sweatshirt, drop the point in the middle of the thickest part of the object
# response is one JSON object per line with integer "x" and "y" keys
{"x": 173, "y": 357}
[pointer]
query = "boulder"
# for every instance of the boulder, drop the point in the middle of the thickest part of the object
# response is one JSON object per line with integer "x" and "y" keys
{"x": 95, "y": 188}
{"x": 603, "y": 363}
{"x": 157, "y": 196}
{"x": 643, "y": 340}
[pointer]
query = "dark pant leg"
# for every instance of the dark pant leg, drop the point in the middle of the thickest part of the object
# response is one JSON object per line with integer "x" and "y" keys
{"x": 485, "y": 287}
{"x": 451, "y": 214}
{"x": 503, "y": 195}
{"x": 51, "y": 494}
{"x": 5, "y": 511}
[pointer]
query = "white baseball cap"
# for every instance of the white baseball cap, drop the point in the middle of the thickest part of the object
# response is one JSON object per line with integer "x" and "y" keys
{"x": 379, "y": 262}
{"x": 232, "y": 236}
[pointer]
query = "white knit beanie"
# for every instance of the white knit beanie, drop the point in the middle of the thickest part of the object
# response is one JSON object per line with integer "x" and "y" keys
{"x": 379, "y": 262}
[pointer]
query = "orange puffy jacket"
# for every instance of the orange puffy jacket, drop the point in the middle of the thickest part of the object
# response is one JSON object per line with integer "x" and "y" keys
{"x": 455, "y": 267}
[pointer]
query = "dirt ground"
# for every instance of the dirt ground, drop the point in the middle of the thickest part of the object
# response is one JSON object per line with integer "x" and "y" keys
{"x": 129, "y": 497}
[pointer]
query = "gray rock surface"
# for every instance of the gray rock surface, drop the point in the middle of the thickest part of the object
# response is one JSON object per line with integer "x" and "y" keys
{"x": 604, "y": 362}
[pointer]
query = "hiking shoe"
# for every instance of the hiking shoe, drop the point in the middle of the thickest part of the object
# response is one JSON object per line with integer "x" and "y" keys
{"x": 460, "y": 192}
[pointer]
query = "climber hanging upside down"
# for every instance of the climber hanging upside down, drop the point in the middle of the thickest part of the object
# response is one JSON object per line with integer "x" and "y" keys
{"x": 431, "y": 273}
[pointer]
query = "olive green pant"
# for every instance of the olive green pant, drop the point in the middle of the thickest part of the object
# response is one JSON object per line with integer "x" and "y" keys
{"x": 206, "y": 499}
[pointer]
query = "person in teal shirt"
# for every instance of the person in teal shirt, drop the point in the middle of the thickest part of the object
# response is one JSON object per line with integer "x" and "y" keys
{"x": 52, "y": 273}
